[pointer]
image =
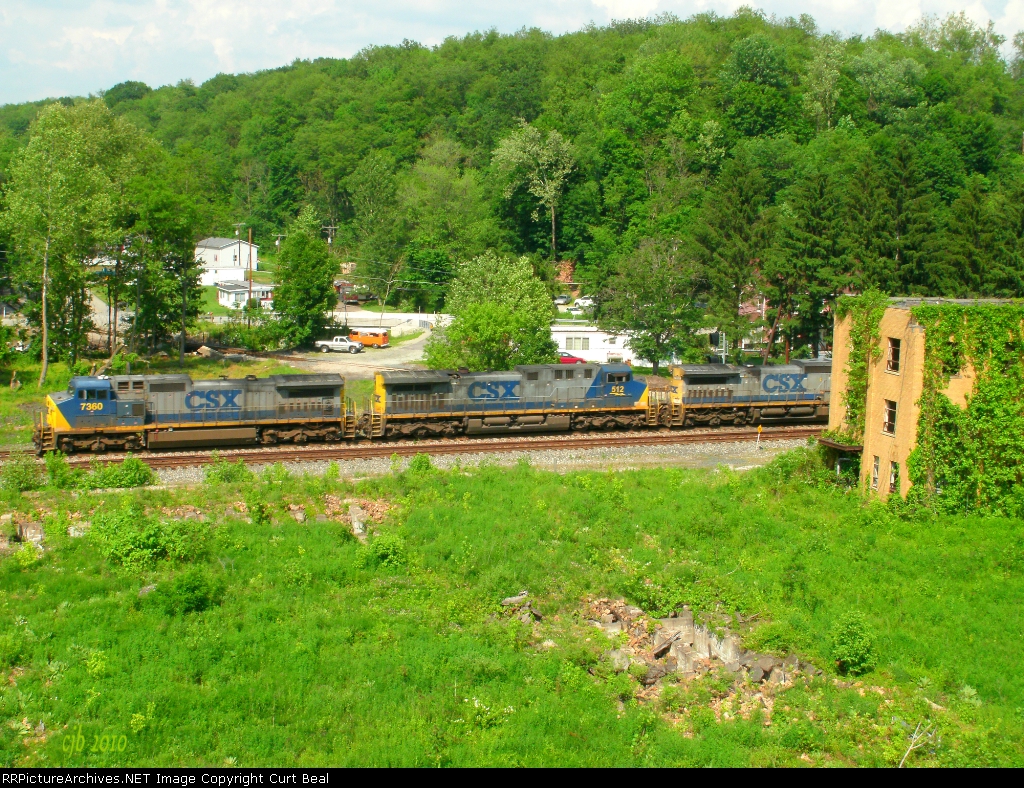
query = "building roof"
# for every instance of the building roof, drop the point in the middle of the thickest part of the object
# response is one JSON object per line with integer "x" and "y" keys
{"x": 240, "y": 287}
{"x": 899, "y": 302}
{"x": 221, "y": 243}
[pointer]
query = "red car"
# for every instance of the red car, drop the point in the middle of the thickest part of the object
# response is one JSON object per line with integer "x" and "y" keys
{"x": 569, "y": 358}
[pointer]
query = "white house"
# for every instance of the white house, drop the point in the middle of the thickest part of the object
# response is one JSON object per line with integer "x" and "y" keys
{"x": 226, "y": 259}
{"x": 233, "y": 295}
{"x": 590, "y": 343}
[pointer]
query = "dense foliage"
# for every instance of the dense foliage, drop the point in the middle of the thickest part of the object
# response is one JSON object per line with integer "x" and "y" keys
{"x": 783, "y": 162}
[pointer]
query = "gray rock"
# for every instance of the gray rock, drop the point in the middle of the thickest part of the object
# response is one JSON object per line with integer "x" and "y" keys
{"x": 299, "y": 515}
{"x": 766, "y": 664}
{"x": 791, "y": 662}
{"x": 619, "y": 659}
{"x": 684, "y": 657}
{"x": 30, "y": 532}
{"x": 78, "y": 530}
{"x": 663, "y": 642}
{"x": 147, "y": 589}
{"x": 612, "y": 629}
{"x": 732, "y": 667}
{"x": 321, "y": 518}
{"x": 514, "y": 601}
{"x": 755, "y": 674}
{"x": 6, "y": 519}
{"x": 526, "y": 618}
{"x": 777, "y": 676}
{"x": 748, "y": 658}
{"x": 358, "y": 517}
{"x": 633, "y": 612}
{"x": 608, "y": 618}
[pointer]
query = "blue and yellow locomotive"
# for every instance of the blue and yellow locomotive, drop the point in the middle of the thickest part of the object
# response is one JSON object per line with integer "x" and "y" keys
{"x": 130, "y": 412}
{"x": 530, "y": 398}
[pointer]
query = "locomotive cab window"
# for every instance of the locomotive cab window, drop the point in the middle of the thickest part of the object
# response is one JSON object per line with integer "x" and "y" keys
{"x": 101, "y": 394}
{"x": 622, "y": 377}
{"x": 81, "y": 393}
{"x": 325, "y": 393}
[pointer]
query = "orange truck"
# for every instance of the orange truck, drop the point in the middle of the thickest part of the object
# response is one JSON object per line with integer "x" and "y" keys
{"x": 370, "y": 337}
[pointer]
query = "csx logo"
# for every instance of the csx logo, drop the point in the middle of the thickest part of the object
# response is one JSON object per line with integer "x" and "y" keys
{"x": 198, "y": 400}
{"x": 493, "y": 389}
{"x": 783, "y": 383}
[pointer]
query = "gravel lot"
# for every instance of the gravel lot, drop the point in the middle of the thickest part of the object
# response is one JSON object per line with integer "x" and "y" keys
{"x": 739, "y": 455}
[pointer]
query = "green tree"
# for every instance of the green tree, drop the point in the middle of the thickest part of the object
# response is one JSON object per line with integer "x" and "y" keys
{"x": 58, "y": 204}
{"x": 377, "y": 222}
{"x": 305, "y": 291}
{"x": 542, "y": 164}
{"x": 821, "y": 93}
{"x": 501, "y": 317}
{"x": 654, "y": 299}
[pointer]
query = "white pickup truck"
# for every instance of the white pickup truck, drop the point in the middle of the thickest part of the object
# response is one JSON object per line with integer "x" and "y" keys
{"x": 338, "y": 345}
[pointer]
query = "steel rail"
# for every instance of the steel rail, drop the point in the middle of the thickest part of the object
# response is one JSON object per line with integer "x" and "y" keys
{"x": 377, "y": 449}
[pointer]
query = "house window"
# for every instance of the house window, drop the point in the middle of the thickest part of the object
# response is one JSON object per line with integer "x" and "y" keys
{"x": 215, "y": 258}
{"x": 611, "y": 341}
{"x": 889, "y": 418}
{"x": 892, "y": 361}
{"x": 874, "y": 473}
{"x": 894, "y": 477}
{"x": 586, "y": 343}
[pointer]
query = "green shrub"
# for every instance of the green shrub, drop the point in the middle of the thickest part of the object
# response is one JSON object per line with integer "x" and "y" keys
{"x": 59, "y": 473}
{"x": 387, "y": 550}
{"x": 259, "y": 512}
{"x": 420, "y": 464}
{"x": 128, "y": 538}
{"x": 224, "y": 472}
{"x": 12, "y": 648}
{"x": 19, "y": 473}
{"x": 133, "y": 472}
{"x": 852, "y": 645}
{"x": 193, "y": 591}
{"x": 771, "y": 638}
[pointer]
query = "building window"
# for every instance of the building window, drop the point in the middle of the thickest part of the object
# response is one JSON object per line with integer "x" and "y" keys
{"x": 892, "y": 361}
{"x": 874, "y": 473}
{"x": 586, "y": 343}
{"x": 889, "y": 423}
{"x": 611, "y": 340}
{"x": 894, "y": 477}
{"x": 577, "y": 343}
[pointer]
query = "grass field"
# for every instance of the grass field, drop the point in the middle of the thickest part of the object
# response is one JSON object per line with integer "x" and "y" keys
{"x": 313, "y": 649}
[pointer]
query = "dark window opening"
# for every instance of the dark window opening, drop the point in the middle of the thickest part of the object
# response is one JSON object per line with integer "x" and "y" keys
{"x": 588, "y": 373}
{"x": 166, "y": 388}
{"x": 102, "y": 394}
{"x": 889, "y": 418}
{"x": 568, "y": 374}
{"x": 532, "y": 375}
{"x": 708, "y": 381}
{"x": 411, "y": 388}
{"x": 558, "y": 374}
{"x": 90, "y": 394}
{"x": 123, "y": 385}
{"x": 874, "y": 473}
{"x": 892, "y": 361}
{"x": 324, "y": 393}
{"x": 622, "y": 377}
{"x": 138, "y": 385}
{"x": 138, "y": 409}
{"x": 894, "y": 477}
{"x": 81, "y": 393}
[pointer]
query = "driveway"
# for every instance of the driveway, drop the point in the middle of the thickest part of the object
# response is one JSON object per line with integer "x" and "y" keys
{"x": 408, "y": 355}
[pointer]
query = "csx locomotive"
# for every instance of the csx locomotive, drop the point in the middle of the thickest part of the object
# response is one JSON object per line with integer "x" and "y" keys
{"x": 131, "y": 412}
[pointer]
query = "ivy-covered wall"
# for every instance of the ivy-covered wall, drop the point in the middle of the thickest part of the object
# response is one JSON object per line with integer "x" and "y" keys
{"x": 972, "y": 457}
{"x": 969, "y": 450}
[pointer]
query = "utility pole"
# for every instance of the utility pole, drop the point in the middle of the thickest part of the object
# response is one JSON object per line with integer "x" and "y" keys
{"x": 248, "y": 303}
{"x": 330, "y": 228}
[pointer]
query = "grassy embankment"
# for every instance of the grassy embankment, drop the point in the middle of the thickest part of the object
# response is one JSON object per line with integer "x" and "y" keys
{"x": 17, "y": 407}
{"x": 314, "y": 649}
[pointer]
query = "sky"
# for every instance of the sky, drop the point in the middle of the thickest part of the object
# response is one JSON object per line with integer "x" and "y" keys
{"x": 53, "y": 48}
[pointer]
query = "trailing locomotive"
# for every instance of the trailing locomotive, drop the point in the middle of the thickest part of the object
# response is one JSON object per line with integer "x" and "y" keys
{"x": 132, "y": 412}
{"x": 530, "y": 398}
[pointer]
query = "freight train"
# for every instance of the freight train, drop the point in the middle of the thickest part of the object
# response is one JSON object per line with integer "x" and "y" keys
{"x": 132, "y": 412}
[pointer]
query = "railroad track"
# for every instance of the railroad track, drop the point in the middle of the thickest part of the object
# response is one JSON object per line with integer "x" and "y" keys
{"x": 377, "y": 449}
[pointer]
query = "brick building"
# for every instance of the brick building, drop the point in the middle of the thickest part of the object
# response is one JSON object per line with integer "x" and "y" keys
{"x": 895, "y": 382}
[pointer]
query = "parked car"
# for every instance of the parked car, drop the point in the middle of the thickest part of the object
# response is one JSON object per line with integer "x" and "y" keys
{"x": 338, "y": 345}
{"x": 562, "y": 300}
{"x": 371, "y": 337}
{"x": 569, "y": 358}
{"x": 587, "y": 302}
{"x": 576, "y": 311}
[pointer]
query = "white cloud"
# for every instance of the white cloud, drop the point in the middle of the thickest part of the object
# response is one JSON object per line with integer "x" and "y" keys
{"x": 68, "y": 47}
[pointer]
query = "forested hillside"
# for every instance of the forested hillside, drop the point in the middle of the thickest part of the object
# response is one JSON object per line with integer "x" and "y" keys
{"x": 756, "y": 155}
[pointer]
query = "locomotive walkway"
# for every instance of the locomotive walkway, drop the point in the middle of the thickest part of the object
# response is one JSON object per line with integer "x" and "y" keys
{"x": 264, "y": 455}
